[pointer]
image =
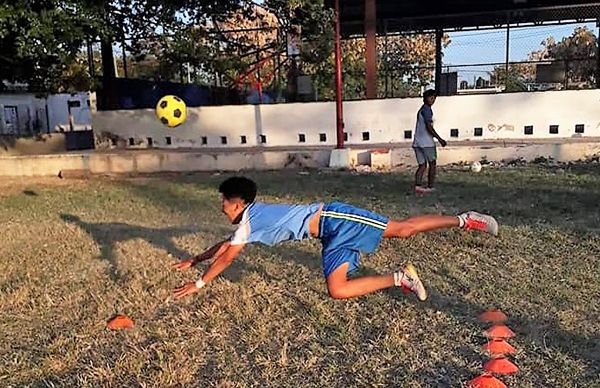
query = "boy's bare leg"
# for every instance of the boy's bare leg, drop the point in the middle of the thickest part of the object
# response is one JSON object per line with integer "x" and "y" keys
{"x": 431, "y": 174}
{"x": 419, "y": 174}
{"x": 419, "y": 224}
{"x": 340, "y": 287}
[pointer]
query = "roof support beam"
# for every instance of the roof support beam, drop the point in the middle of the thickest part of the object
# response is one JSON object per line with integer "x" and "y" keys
{"x": 371, "y": 49}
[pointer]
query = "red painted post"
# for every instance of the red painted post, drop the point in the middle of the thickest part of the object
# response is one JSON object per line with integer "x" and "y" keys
{"x": 339, "y": 113}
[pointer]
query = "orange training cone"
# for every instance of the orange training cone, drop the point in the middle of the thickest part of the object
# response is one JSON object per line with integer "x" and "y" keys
{"x": 499, "y": 331}
{"x": 120, "y": 322}
{"x": 498, "y": 347}
{"x": 494, "y": 316}
{"x": 501, "y": 366}
{"x": 485, "y": 381}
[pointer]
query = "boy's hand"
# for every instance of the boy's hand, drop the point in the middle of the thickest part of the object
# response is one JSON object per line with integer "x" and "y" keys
{"x": 186, "y": 289}
{"x": 183, "y": 265}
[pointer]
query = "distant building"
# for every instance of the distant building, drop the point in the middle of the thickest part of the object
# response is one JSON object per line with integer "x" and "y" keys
{"x": 28, "y": 114}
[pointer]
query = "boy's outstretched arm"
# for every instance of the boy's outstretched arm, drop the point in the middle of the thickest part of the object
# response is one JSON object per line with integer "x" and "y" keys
{"x": 222, "y": 261}
{"x": 214, "y": 251}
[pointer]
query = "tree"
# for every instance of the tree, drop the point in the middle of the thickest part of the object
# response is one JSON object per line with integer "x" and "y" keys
{"x": 219, "y": 46}
{"x": 41, "y": 43}
{"x": 40, "y": 39}
{"x": 578, "y": 52}
{"x": 405, "y": 64}
{"x": 515, "y": 80}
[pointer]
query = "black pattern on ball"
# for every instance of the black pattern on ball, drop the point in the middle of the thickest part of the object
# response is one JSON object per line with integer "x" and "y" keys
{"x": 163, "y": 104}
{"x": 164, "y": 121}
{"x": 177, "y": 98}
{"x": 177, "y": 113}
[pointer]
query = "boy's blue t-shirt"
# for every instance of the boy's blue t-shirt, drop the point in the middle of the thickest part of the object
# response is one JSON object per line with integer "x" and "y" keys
{"x": 273, "y": 223}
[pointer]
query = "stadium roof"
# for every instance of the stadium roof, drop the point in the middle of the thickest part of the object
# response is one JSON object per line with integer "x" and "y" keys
{"x": 422, "y": 15}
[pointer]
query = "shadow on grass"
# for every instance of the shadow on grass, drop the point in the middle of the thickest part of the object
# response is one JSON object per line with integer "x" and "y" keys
{"x": 107, "y": 235}
{"x": 519, "y": 197}
{"x": 530, "y": 333}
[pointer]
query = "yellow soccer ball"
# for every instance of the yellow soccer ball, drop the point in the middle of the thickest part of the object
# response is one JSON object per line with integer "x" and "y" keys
{"x": 171, "y": 111}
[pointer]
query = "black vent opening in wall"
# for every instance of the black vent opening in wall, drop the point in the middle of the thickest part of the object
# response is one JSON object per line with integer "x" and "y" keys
{"x": 301, "y": 138}
{"x": 554, "y": 129}
{"x": 366, "y": 136}
{"x": 579, "y": 128}
{"x": 528, "y": 130}
{"x": 454, "y": 132}
{"x": 263, "y": 139}
{"x": 243, "y": 139}
{"x": 150, "y": 141}
{"x": 478, "y": 131}
{"x": 408, "y": 134}
{"x": 168, "y": 140}
{"x": 204, "y": 140}
{"x": 223, "y": 139}
{"x": 131, "y": 141}
{"x": 322, "y": 137}
{"x": 345, "y": 136}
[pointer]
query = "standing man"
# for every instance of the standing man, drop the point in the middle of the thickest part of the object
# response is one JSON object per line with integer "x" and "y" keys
{"x": 424, "y": 145}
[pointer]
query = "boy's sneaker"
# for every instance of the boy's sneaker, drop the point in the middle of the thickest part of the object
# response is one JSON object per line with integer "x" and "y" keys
{"x": 478, "y": 221}
{"x": 421, "y": 190}
{"x": 409, "y": 279}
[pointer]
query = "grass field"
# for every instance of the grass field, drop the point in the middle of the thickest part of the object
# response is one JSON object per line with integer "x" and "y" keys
{"x": 74, "y": 253}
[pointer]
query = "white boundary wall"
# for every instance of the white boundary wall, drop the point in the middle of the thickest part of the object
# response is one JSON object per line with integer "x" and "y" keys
{"x": 150, "y": 161}
{"x": 500, "y": 116}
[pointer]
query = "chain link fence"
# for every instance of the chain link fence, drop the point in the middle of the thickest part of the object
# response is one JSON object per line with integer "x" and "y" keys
{"x": 517, "y": 59}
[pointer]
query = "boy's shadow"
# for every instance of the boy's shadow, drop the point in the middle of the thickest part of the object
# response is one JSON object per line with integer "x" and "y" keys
{"x": 107, "y": 235}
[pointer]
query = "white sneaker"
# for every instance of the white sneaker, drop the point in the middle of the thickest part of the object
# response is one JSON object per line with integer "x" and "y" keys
{"x": 478, "y": 221}
{"x": 409, "y": 279}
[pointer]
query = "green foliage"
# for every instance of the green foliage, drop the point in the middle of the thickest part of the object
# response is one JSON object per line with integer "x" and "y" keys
{"x": 39, "y": 42}
{"x": 577, "y": 52}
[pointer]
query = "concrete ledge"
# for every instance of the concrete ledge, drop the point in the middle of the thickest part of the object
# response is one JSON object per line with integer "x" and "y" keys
{"x": 259, "y": 158}
{"x": 42, "y": 165}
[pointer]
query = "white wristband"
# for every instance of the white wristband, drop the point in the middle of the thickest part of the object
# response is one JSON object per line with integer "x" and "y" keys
{"x": 200, "y": 283}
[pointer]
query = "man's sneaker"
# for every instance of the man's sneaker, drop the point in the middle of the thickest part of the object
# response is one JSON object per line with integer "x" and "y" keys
{"x": 478, "y": 221}
{"x": 409, "y": 279}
